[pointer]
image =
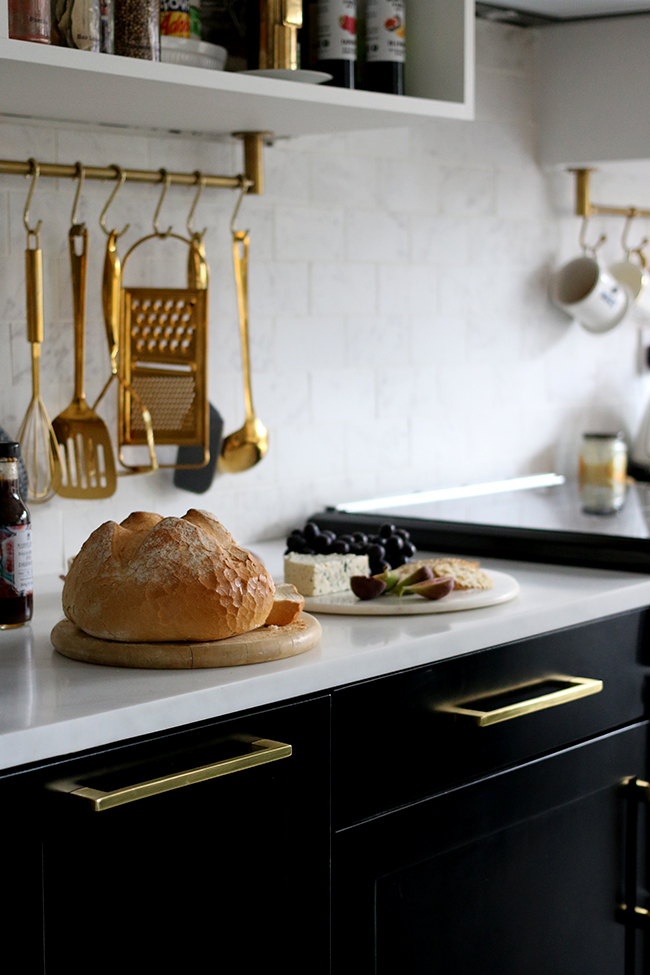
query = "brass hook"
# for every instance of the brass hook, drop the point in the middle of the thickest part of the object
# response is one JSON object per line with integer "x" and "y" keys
{"x": 200, "y": 182}
{"x": 632, "y": 214}
{"x": 583, "y": 242}
{"x": 245, "y": 184}
{"x": 34, "y": 172}
{"x": 120, "y": 176}
{"x": 80, "y": 175}
{"x": 166, "y": 178}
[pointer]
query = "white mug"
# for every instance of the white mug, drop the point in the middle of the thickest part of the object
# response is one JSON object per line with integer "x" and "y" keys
{"x": 588, "y": 292}
{"x": 637, "y": 280}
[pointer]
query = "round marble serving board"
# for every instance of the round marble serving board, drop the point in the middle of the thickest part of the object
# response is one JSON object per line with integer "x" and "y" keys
{"x": 258, "y": 646}
{"x": 347, "y": 604}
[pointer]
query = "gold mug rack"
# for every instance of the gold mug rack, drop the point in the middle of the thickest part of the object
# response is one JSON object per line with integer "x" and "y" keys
{"x": 253, "y": 169}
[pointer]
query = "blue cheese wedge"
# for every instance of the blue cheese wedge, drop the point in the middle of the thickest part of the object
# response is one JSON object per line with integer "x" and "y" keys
{"x": 318, "y": 575}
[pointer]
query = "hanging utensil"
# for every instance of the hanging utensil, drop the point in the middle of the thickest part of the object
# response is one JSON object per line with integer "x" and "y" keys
{"x": 190, "y": 475}
{"x": 111, "y": 295}
{"x": 37, "y": 440}
{"x": 164, "y": 359}
{"x": 84, "y": 441}
{"x": 244, "y": 448}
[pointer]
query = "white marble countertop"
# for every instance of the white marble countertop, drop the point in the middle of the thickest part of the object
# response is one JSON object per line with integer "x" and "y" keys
{"x": 51, "y": 706}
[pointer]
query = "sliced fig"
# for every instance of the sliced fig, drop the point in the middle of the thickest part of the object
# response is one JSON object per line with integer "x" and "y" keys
{"x": 422, "y": 574}
{"x": 431, "y": 588}
{"x": 367, "y": 587}
{"x": 389, "y": 577}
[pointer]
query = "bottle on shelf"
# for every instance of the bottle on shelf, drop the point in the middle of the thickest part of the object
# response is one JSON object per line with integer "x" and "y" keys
{"x": 385, "y": 46}
{"x": 16, "y": 585}
{"x": 77, "y": 24}
{"x": 337, "y": 40}
{"x": 137, "y": 29}
{"x": 29, "y": 20}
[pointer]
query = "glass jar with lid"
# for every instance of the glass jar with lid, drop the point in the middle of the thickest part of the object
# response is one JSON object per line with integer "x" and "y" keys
{"x": 602, "y": 473}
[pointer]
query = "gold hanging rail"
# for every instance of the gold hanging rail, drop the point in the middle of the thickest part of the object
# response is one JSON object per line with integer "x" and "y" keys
{"x": 253, "y": 164}
{"x": 585, "y": 208}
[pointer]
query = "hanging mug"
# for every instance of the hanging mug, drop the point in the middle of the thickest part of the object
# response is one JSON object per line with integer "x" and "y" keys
{"x": 637, "y": 281}
{"x": 588, "y": 292}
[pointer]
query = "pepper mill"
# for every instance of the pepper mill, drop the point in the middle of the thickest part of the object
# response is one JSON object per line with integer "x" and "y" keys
{"x": 280, "y": 21}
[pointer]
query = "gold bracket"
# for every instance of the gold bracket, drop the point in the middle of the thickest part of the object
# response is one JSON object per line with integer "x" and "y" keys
{"x": 585, "y": 208}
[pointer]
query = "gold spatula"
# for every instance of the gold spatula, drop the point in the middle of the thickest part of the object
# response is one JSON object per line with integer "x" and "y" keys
{"x": 84, "y": 441}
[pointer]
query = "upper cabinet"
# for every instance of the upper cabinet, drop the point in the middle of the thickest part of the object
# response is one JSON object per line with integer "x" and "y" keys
{"x": 42, "y": 82}
{"x": 594, "y": 79}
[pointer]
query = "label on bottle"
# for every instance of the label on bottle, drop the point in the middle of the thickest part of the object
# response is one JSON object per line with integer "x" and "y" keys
{"x": 385, "y": 30}
{"x": 16, "y": 573}
{"x": 175, "y": 18}
{"x": 337, "y": 30}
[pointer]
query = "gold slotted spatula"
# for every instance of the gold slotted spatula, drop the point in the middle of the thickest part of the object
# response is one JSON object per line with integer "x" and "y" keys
{"x": 84, "y": 441}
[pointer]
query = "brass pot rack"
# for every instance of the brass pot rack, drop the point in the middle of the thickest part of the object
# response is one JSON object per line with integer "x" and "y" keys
{"x": 585, "y": 208}
{"x": 253, "y": 170}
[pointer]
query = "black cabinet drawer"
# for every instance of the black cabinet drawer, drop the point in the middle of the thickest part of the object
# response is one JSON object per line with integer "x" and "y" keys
{"x": 393, "y": 743}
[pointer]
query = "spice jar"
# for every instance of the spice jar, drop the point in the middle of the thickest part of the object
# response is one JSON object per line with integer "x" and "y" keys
{"x": 16, "y": 586}
{"x": 602, "y": 473}
{"x": 77, "y": 23}
{"x": 29, "y": 20}
{"x": 137, "y": 29}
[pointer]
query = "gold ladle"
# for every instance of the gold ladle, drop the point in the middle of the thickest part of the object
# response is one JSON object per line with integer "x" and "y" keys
{"x": 244, "y": 448}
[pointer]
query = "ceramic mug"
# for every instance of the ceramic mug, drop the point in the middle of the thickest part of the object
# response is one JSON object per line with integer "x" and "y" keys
{"x": 588, "y": 292}
{"x": 637, "y": 281}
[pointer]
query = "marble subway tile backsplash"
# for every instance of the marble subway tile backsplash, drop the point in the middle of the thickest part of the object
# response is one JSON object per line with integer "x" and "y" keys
{"x": 401, "y": 335}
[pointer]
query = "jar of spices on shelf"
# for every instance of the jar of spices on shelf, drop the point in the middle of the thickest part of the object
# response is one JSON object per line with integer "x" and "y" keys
{"x": 137, "y": 29}
{"x": 77, "y": 24}
{"x": 602, "y": 474}
{"x": 30, "y": 20}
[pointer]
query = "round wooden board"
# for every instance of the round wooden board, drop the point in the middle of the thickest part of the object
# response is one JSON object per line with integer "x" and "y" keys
{"x": 256, "y": 647}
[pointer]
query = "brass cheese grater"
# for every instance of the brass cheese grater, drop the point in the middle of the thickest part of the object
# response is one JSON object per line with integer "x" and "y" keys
{"x": 164, "y": 363}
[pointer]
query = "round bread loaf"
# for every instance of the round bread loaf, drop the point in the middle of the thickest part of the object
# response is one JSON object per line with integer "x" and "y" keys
{"x": 154, "y": 579}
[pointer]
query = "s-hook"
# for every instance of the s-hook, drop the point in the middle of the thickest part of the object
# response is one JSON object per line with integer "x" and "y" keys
{"x": 120, "y": 176}
{"x": 587, "y": 248}
{"x": 34, "y": 172}
{"x": 200, "y": 183}
{"x": 166, "y": 180}
{"x": 633, "y": 213}
{"x": 80, "y": 175}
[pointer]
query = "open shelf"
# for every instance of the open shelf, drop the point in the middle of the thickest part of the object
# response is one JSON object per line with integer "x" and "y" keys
{"x": 52, "y": 83}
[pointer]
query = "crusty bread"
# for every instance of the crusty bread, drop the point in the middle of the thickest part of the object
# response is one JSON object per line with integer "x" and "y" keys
{"x": 154, "y": 579}
{"x": 466, "y": 574}
{"x": 288, "y": 604}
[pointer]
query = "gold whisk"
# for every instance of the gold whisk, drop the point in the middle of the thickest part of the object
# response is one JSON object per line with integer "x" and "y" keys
{"x": 37, "y": 440}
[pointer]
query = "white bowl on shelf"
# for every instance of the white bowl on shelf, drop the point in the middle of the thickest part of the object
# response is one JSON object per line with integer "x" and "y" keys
{"x": 192, "y": 52}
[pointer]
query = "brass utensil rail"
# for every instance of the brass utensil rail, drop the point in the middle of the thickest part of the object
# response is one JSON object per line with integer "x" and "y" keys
{"x": 253, "y": 165}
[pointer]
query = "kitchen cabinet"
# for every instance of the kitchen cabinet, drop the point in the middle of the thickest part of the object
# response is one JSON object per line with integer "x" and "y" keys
{"x": 500, "y": 848}
{"x": 228, "y": 873}
{"x": 497, "y": 848}
{"x": 593, "y": 78}
{"x": 42, "y": 82}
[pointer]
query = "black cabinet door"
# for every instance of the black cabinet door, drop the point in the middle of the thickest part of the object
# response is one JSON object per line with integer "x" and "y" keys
{"x": 225, "y": 875}
{"x": 517, "y": 872}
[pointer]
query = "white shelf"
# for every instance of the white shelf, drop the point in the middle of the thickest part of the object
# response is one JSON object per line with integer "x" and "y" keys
{"x": 51, "y": 83}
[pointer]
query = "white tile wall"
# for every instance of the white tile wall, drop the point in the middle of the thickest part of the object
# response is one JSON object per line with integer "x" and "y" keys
{"x": 401, "y": 334}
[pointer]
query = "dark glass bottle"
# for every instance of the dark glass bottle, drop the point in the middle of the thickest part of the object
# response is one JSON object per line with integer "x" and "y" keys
{"x": 385, "y": 47}
{"x": 16, "y": 586}
{"x": 337, "y": 41}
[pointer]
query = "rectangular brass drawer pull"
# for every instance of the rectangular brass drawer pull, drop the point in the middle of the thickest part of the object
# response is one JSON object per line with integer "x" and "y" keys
{"x": 570, "y": 689}
{"x": 263, "y": 750}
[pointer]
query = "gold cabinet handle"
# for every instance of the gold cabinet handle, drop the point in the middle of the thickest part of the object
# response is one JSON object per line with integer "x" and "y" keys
{"x": 262, "y": 750}
{"x": 572, "y": 688}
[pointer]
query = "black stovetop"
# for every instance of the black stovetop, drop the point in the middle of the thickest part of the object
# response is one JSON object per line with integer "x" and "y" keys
{"x": 513, "y": 521}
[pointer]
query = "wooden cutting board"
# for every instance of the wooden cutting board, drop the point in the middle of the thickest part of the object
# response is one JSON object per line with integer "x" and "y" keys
{"x": 256, "y": 647}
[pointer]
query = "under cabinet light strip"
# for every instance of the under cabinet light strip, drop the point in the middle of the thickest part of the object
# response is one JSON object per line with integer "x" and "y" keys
{"x": 449, "y": 494}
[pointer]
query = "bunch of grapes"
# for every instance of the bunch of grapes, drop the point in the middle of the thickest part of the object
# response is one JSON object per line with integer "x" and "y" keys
{"x": 389, "y": 547}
